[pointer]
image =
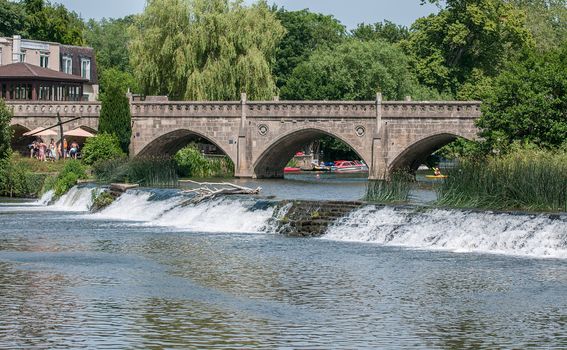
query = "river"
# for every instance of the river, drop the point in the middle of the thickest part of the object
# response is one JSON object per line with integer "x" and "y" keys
{"x": 148, "y": 272}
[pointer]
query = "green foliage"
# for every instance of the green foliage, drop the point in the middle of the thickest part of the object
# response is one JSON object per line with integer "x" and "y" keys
{"x": 5, "y": 130}
{"x": 101, "y": 200}
{"x": 114, "y": 78}
{"x": 461, "y": 148}
{"x": 395, "y": 189}
{"x": 335, "y": 149}
{"x": 110, "y": 38}
{"x": 150, "y": 171}
{"x": 205, "y": 50}
{"x": 354, "y": 70}
{"x": 12, "y": 18}
{"x": 465, "y": 35}
{"x": 101, "y": 147}
{"x": 528, "y": 101}
{"x": 305, "y": 32}
{"x": 524, "y": 179}
{"x": 67, "y": 178}
{"x": 52, "y": 22}
{"x": 386, "y": 31}
{"x": 191, "y": 163}
{"x": 115, "y": 115}
{"x": 546, "y": 20}
{"x": 16, "y": 179}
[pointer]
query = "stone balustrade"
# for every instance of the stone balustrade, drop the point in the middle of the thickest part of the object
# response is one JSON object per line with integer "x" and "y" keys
{"x": 50, "y": 109}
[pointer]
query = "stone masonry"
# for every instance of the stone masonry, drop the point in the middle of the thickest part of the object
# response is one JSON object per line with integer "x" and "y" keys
{"x": 261, "y": 137}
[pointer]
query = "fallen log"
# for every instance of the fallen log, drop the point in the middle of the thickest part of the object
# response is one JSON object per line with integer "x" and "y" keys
{"x": 211, "y": 190}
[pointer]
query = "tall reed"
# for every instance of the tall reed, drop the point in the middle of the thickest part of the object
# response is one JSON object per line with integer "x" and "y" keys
{"x": 147, "y": 171}
{"x": 524, "y": 180}
{"x": 395, "y": 189}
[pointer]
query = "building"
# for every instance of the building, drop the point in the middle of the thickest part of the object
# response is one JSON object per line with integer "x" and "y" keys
{"x": 59, "y": 68}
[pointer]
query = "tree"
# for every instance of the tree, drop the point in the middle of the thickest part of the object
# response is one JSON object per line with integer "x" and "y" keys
{"x": 12, "y": 18}
{"x": 546, "y": 20}
{"x": 528, "y": 102}
{"x": 115, "y": 115}
{"x": 110, "y": 39}
{"x": 386, "y": 30}
{"x": 466, "y": 37}
{"x": 5, "y": 131}
{"x": 205, "y": 49}
{"x": 114, "y": 77}
{"x": 48, "y": 22}
{"x": 354, "y": 70}
{"x": 305, "y": 32}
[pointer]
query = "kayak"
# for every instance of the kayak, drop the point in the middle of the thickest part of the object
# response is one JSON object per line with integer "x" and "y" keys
{"x": 291, "y": 170}
{"x": 436, "y": 176}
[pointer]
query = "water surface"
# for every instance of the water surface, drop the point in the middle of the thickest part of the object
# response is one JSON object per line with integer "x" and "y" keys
{"x": 148, "y": 272}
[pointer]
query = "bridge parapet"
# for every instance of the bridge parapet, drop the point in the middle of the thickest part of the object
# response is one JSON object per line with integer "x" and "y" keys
{"x": 50, "y": 109}
{"x": 363, "y": 109}
{"x": 433, "y": 109}
{"x": 186, "y": 109}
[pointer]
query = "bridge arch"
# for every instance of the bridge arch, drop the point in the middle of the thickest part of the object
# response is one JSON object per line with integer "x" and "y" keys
{"x": 272, "y": 160}
{"x": 415, "y": 153}
{"x": 19, "y": 141}
{"x": 169, "y": 143}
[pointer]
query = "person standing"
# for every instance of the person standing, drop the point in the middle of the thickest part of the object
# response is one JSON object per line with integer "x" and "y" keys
{"x": 42, "y": 149}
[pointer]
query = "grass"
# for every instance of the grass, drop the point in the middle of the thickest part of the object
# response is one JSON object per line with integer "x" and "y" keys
{"x": 393, "y": 190}
{"x": 533, "y": 180}
{"x": 39, "y": 167}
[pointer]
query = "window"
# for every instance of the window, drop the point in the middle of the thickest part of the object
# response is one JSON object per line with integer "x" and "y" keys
{"x": 67, "y": 65}
{"x": 44, "y": 60}
{"x": 86, "y": 68}
{"x": 23, "y": 56}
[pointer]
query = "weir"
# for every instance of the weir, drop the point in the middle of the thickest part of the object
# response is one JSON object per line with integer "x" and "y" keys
{"x": 520, "y": 234}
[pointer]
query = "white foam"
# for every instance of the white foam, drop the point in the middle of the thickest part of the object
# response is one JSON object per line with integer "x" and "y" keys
{"x": 221, "y": 215}
{"x": 459, "y": 231}
{"x": 77, "y": 199}
{"x": 137, "y": 206}
{"x": 46, "y": 198}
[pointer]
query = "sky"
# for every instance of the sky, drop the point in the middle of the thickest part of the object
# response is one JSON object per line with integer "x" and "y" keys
{"x": 349, "y": 12}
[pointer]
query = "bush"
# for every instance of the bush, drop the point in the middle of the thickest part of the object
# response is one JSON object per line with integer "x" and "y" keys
{"x": 17, "y": 180}
{"x": 101, "y": 201}
{"x": 67, "y": 178}
{"x": 191, "y": 163}
{"x": 101, "y": 147}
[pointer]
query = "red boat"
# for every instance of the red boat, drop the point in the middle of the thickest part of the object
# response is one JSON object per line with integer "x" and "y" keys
{"x": 291, "y": 170}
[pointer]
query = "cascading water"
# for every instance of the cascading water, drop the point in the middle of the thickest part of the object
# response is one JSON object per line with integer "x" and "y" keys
{"x": 437, "y": 229}
{"x": 77, "y": 199}
{"x": 455, "y": 230}
{"x": 168, "y": 208}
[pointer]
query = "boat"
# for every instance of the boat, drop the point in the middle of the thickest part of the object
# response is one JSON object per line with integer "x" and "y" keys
{"x": 291, "y": 170}
{"x": 436, "y": 176}
{"x": 346, "y": 166}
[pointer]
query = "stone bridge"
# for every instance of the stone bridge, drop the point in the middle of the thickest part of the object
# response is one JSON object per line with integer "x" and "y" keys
{"x": 261, "y": 137}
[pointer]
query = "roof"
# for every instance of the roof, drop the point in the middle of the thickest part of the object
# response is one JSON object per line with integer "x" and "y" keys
{"x": 30, "y": 72}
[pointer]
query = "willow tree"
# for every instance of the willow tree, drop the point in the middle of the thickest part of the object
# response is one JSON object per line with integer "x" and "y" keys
{"x": 205, "y": 49}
